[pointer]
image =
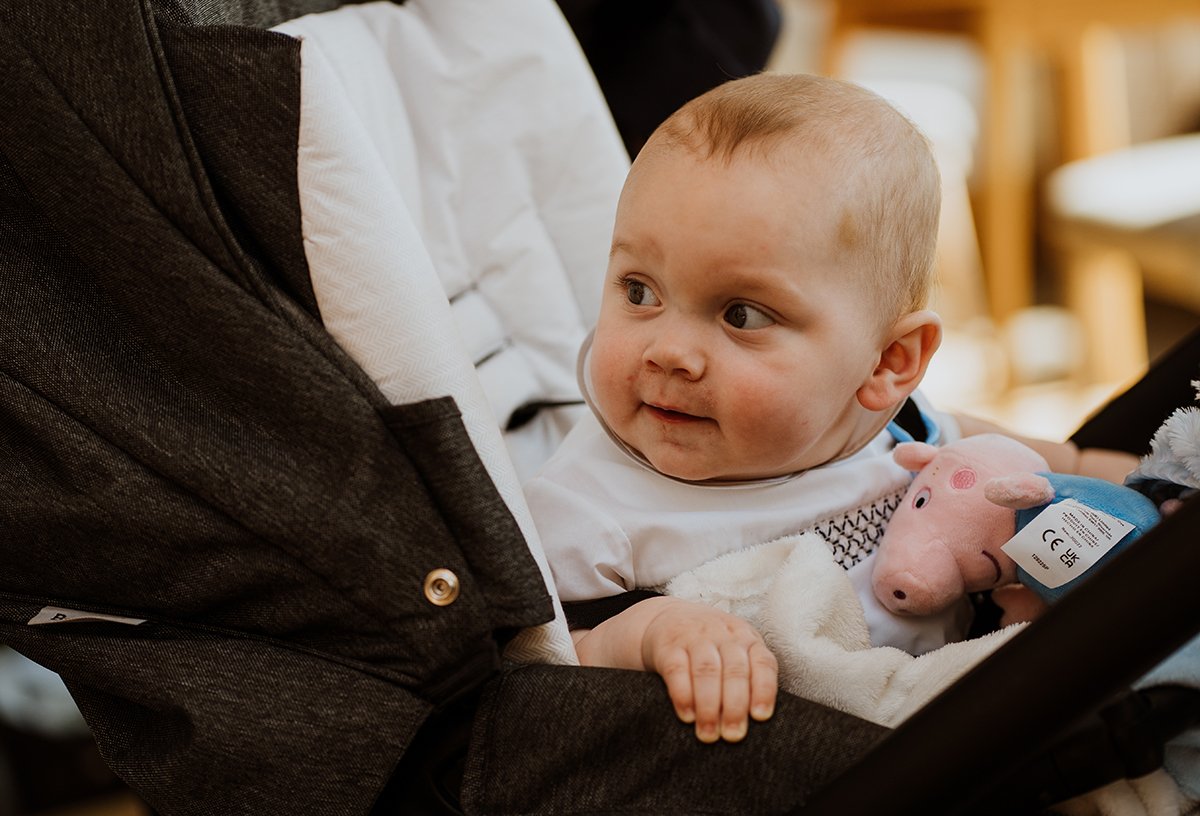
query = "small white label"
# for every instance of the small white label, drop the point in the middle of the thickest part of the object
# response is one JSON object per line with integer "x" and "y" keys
{"x": 1063, "y": 542}
{"x": 57, "y": 614}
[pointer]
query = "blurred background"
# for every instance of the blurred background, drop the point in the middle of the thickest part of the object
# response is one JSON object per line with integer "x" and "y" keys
{"x": 1067, "y": 137}
{"x": 1068, "y": 134}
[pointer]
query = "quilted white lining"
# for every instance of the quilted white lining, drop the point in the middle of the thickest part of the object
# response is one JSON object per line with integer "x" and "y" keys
{"x": 459, "y": 148}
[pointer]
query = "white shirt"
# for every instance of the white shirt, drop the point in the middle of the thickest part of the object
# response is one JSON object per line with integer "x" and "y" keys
{"x": 610, "y": 523}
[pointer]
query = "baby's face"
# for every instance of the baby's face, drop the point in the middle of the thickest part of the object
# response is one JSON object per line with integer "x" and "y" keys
{"x": 733, "y": 333}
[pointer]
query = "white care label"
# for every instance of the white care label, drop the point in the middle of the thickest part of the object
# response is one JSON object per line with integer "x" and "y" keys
{"x": 1063, "y": 542}
{"x": 58, "y": 614}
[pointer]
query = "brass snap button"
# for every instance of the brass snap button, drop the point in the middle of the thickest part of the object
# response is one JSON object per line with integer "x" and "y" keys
{"x": 441, "y": 587}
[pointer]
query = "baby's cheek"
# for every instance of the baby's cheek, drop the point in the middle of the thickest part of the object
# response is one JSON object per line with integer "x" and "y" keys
{"x": 763, "y": 416}
{"x": 612, "y": 379}
{"x": 604, "y": 392}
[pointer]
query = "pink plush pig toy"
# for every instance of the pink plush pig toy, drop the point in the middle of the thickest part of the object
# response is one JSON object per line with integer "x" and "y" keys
{"x": 969, "y": 498}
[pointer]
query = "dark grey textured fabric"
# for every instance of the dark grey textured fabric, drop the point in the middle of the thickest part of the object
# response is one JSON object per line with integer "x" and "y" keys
{"x": 606, "y": 741}
{"x": 243, "y": 13}
{"x": 183, "y": 443}
{"x": 251, "y": 167}
{"x": 204, "y": 720}
{"x": 176, "y": 361}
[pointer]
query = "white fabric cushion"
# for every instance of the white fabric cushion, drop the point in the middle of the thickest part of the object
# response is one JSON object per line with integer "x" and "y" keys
{"x": 458, "y": 176}
{"x": 487, "y": 121}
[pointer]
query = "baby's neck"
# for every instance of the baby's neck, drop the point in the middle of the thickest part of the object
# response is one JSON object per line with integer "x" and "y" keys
{"x": 867, "y": 427}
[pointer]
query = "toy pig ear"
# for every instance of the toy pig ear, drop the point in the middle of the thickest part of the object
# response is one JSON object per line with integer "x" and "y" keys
{"x": 914, "y": 455}
{"x": 1019, "y": 491}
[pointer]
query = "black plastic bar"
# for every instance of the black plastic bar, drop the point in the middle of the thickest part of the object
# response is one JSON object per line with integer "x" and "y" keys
{"x": 1129, "y": 420}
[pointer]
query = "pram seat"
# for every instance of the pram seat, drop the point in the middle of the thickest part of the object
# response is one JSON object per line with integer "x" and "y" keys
{"x": 250, "y": 439}
{"x": 493, "y": 168}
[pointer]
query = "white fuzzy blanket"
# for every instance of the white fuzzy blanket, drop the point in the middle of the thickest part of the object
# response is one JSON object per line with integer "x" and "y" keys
{"x": 811, "y": 618}
{"x": 803, "y": 603}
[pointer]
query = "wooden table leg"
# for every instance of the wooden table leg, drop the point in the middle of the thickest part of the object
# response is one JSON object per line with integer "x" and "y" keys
{"x": 1008, "y": 166}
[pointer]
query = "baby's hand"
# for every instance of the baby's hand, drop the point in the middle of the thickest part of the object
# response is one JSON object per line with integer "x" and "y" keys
{"x": 1018, "y": 604}
{"x": 716, "y": 666}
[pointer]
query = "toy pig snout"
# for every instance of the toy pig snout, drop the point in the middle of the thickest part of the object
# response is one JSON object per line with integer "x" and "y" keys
{"x": 937, "y": 584}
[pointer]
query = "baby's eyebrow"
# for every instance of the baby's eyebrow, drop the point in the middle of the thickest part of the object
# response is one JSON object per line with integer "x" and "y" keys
{"x": 642, "y": 247}
{"x": 619, "y": 246}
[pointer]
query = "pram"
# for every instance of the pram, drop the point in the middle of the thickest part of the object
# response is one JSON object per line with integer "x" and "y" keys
{"x": 373, "y": 277}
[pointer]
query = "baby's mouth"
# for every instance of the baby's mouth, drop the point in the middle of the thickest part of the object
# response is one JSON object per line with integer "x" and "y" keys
{"x": 670, "y": 414}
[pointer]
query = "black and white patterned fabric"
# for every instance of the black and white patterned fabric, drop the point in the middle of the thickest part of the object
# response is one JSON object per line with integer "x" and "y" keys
{"x": 854, "y": 535}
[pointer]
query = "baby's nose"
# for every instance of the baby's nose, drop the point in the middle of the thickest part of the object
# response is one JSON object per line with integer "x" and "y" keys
{"x": 677, "y": 352}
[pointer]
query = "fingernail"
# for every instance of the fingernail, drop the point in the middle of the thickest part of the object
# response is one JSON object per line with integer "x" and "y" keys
{"x": 707, "y": 732}
{"x": 688, "y": 716}
{"x": 734, "y": 732}
{"x": 762, "y": 712}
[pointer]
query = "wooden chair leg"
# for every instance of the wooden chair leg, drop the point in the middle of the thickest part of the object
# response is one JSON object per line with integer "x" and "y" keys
{"x": 1104, "y": 288}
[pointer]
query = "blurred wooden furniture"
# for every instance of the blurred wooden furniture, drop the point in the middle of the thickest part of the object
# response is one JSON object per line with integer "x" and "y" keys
{"x": 1073, "y": 38}
{"x": 1121, "y": 220}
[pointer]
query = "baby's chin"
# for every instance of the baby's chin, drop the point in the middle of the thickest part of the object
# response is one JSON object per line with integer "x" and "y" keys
{"x": 692, "y": 470}
{"x": 687, "y": 474}
{"x": 687, "y": 468}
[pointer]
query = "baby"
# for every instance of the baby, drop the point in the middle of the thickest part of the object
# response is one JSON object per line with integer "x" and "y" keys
{"x": 761, "y": 335}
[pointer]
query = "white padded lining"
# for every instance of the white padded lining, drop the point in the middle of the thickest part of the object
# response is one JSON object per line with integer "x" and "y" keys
{"x": 459, "y": 148}
{"x": 488, "y": 122}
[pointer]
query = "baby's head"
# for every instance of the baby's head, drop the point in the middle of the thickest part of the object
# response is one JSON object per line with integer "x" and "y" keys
{"x": 763, "y": 309}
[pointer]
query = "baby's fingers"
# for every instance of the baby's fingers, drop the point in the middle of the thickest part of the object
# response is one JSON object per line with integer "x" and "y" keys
{"x": 735, "y": 691}
{"x": 696, "y": 683}
{"x": 749, "y": 685}
{"x": 764, "y": 681}
{"x": 707, "y": 688}
{"x": 675, "y": 668}
{"x": 717, "y": 670}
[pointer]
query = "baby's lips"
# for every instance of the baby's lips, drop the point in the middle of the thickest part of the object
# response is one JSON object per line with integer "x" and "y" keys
{"x": 669, "y": 411}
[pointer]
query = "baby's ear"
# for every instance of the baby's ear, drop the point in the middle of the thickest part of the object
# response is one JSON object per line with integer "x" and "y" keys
{"x": 902, "y": 363}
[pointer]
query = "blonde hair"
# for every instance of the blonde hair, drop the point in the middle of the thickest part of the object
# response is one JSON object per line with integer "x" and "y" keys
{"x": 891, "y": 178}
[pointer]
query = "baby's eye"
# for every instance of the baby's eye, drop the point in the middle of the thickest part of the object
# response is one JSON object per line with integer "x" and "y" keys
{"x": 921, "y": 499}
{"x": 743, "y": 316}
{"x": 639, "y": 293}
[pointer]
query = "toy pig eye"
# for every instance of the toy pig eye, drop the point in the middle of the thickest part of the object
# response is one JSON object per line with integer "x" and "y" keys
{"x": 921, "y": 499}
